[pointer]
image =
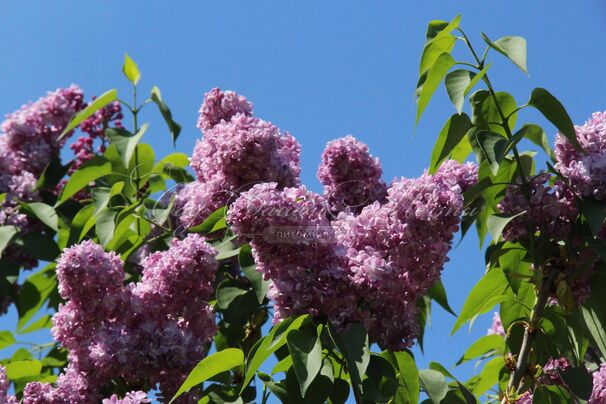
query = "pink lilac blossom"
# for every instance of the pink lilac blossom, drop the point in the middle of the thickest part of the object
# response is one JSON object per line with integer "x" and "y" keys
{"x": 236, "y": 152}
{"x": 496, "y": 328}
{"x": 219, "y": 106}
{"x": 552, "y": 209}
{"x": 396, "y": 251}
{"x": 94, "y": 129}
{"x": 145, "y": 333}
{"x": 5, "y": 396}
{"x": 293, "y": 245}
{"x": 552, "y": 369}
{"x": 586, "y": 169}
{"x": 73, "y": 387}
{"x": 598, "y": 394}
{"x": 32, "y": 132}
{"x": 351, "y": 175}
{"x": 133, "y": 397}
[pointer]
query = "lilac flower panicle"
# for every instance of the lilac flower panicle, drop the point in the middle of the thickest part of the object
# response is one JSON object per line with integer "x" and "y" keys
{"x": 350, "y": 175}
{"x": 598, "y": 393}
{"x": 5, "y": 396}
{"x": 245, "y": 151}
{"x": 146, "y": 333}
{"x": 294, "y": 246}
{"x": 496, "y": 328}
{"x": 396, "y": 251}
{"x": 219, "y": 106}
{"x": 552, "y": 209}
{"x": 586, "y": 170}
{"x": 551, "y": 371}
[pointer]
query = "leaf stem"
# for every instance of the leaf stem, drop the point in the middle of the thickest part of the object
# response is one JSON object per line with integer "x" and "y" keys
{"x": 135, "y": 112}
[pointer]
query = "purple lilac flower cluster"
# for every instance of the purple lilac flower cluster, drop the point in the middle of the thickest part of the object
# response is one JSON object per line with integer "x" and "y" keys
{"x": 237, "y": 151}
{"x": 5, "y": 396}
{"x": 350, "y": 175}
{"x": 385, "y": 258}
{"x": 94, "y": 129}
{"x": 550, "y": 209}
{"x": 586, "y": 169}
{"x": 145, "y": 333}
{"x": 397, "y": 250}
{"x": 294, "y": 246}
{"x": 29, "y": 140}
{"x": 551, "y": 371}
{"x": 598, "y": 394}
{"x": 133, "y": 397}
{"x": 496, "y": 328}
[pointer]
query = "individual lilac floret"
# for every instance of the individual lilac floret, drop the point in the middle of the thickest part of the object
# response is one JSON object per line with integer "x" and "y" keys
{"x": 552, "y": 209}
{"x": 220, "y": 106}
{"x": 133, "y": 397}
{"x": 598, "y": 394}
{"x": 351, "y": 175}
{"x": 294, "y": 246}
{"x": 586, "y": 170}
{"x": 5, "y": 397}
{"x": 396, "y": 251}
{"x": 245, "y": 151}
{"x": 496, "y": 328}
{"x": 551, "y": 371}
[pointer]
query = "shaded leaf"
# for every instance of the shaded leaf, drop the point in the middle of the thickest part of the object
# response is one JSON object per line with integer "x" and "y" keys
{"x": 434, "y": 384}
{"x": 554, "y": 111}
{"x": 449, "y": 138}
{"x": 306, "y": 352}
{"x": 173, "y": 126}
{"x": 434, "y": 76}
{"x": 514, "y": 47}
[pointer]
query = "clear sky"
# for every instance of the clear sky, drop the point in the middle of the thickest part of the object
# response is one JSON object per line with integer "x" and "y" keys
{"x": 319, "y": 69}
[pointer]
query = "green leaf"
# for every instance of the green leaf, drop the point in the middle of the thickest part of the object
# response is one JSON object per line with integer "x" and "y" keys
{"x": 81, "y": 224}
{"x": 449, "y": 138}
{"x": 228, "y": 291}
{"x": 210, "y": 366}
{"x": 45, "y": 321}
{"x": 173, "y": 126}
{"x": 44, "y": 212}
{"x": 457, "y": 83}
{"x": 486, "y": 345}
{"x": 554, "y": 111}
{"x": 34, "y": 292}
{"x": 6, "y": 339}
{"x": 595, "y": 214}
{"x": 594, "y": 314}
{"x": 268, "y": 345}
{"x": 408, "y": 393}
{"x": 492, "y": 289}
{"x": 489, "y": 376}
{"x": 434, "y": 384}
{"x": 125, "y": 141}
{"x": 97, "y": 104}
{"x": 476, "y": 78}
{"x": 282, "y": 366}
{"x": 439, "y": 40}
{"x": 551, "y": 395}
{"x": 485, "y": 114}
{"x": 306, "y": 352}
{"x": 353, "y": 345}
{"x": 492, "y": 147}
{"x": 6, "y": 235}
{"x": 579, "y": 381}
{"x": 20, "y": 369}
{"x": 131, "y": 70}
{"x": 210, "y": 222}
{"x": 93, "y": 169}
{"x": 105, "y": 225}
{"x": 102, "y": 195}
{"x": 247, "y": 263}
{"x": 497, "y": 223}
{"x": 536, "y": 135}
{"x": 514, "y": 47}
{"x": 434, "y": 76}
{"x": 438, "y": 293}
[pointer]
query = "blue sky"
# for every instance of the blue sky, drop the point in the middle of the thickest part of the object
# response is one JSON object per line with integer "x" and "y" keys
{"x": 318, "y": 69}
